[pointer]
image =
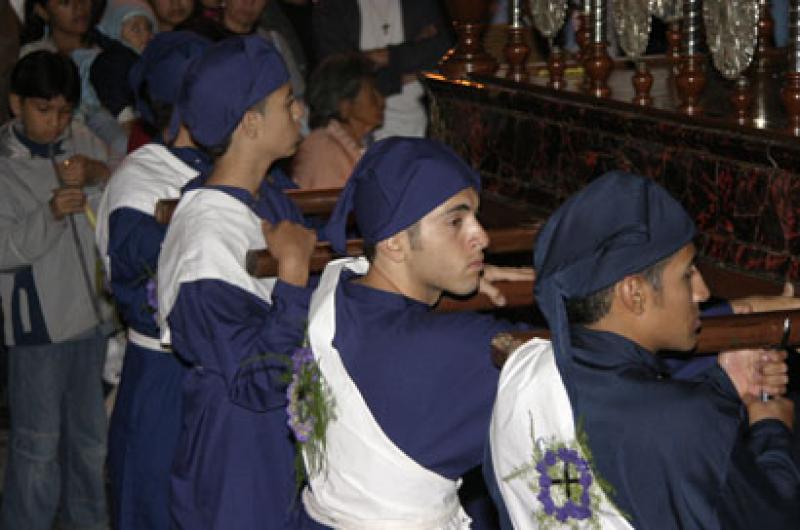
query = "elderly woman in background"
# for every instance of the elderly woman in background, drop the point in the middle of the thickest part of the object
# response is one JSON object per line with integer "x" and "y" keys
{"x": 345, "y": 107}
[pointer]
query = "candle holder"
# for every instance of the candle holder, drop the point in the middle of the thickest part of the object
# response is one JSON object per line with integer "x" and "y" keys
{"x": 516, "y": 49}
{"x": 548, "y": 18}
{"x": 632, "y": 22}
{"x": 731, "y": 37}
{"x": 468, "y": 56}
{"x": 691, "y": 79}
{"x": 790, "y": 92}
{"x": 598, "y": 64}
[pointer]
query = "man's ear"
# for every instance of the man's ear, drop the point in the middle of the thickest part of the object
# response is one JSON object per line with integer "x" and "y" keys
{"x": 632, "y": 294}
{"x": 395, "y": 247}
{"x": 16, "y": 104}
{"x": 250, "y": 123}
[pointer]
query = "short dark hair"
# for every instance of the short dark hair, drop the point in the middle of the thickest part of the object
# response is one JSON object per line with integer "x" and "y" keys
{"x": 592, "y": 308}
{"x": 46, "y": 75}
{"x": 413, "y": 232}
{"x": 337, "y": 78}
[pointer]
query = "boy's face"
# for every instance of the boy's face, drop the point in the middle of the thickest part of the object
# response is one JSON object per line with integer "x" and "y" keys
{"x": 446, "y": 254}
{"x": 281, "y": 123}
{"x": 137, "y": 32}
{"x": 43, "y": 120}
{"x": 170, "y": 13}
{"x": 68, "y": 16}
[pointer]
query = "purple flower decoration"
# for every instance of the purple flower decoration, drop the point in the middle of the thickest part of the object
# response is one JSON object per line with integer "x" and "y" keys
{"x": 152, "y": 293}
{"x": 151, "y": 290}
{"x": 556, "y": 469}
{"x": 301, "y": 421}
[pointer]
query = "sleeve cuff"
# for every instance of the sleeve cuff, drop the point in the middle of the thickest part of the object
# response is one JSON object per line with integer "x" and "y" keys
{"x": 291, "y": 293}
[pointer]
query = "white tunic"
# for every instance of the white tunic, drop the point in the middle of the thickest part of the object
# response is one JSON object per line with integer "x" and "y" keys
{"x": 147, "y": 175}
{"x": 368, "y": 483}
{"x": 208, "y": 239}
{"x": 531, "y": 397}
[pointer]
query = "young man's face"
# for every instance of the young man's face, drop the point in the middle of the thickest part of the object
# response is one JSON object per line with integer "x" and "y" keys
{"x": 674, "y": 318}
{"x": 43, "y": 120}
{"x": 281, "y": 123}
{"x": 170, "y": 13}
{"x": 68, "y": 16}
{"x": 240, "y": 16}
{"x": 447, "y": 252}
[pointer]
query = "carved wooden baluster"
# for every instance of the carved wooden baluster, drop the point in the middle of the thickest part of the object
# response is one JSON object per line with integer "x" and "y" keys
{"x": 583, "y": 36}
{"x": 642, "y": 83}
{"x": 741, "y": 99}
{"x": 556, "y": 64}
{"x": 790, "y": 93}
{"x": 766, "y": 29}
{"x": 468, "y": 56}
{"x": 674, "y": 40}
{"x": 598, "y": 64}
{"x": 516, "y": 50}
{"x": 692, "y": 77}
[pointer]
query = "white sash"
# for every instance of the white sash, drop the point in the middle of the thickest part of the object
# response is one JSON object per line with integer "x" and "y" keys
{"x": 144, "y": 177}
{"x": 208, "y": 239}
{"x": 531, "y": 397}
{"x": 143, "y": 341}
{"x": 368, "y": 482}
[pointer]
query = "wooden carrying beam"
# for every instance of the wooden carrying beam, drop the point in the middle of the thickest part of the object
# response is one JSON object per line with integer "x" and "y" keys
{"x": 261, "y": 264}
{"x": 752, "y": 330}
{"x": 310, "y": 202}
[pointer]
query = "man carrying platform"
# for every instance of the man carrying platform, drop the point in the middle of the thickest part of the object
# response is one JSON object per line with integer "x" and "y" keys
{"x": 147, "y": 413}
{"x": 412, "y": 388}
{"x": 233, "y": 466}
{"x": 591, "y": 431}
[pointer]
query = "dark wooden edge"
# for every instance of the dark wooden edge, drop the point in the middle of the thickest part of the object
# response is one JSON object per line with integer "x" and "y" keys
{"x": 730, "y": 284}
{"x": 517, "y": 294}
{"x": 164, "y": 210}
{"x": 310, "y": 202}
{"x": 752, "y": 330}
{"x": 495, "y": 211}
{"x": 502, "y": 240}
{"x": 315, "y": 202}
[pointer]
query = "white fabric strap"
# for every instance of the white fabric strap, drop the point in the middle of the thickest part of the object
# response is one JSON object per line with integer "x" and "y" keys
{"x": 369, "y": 483}
{"x": 532, "y": 400}
{"x": 150, "y": 343}
{"x": 455, "y": 519}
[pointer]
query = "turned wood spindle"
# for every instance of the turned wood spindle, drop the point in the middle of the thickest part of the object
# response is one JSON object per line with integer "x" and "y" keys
{"x": 642, "y": 83}
{"x": 766, "y": 29}
{"x": 691, "y": 79}
{"x": 556, "y": 65}
{"x": 583, "y": 35}
{"x": 516, "y": 49}
{"x": 468, "y": 56}
{"x": 674, "y": 40}
{"x": 790, "y": 92}
{"x": 741, "y": 99}
{"x": 598, "y": 64}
